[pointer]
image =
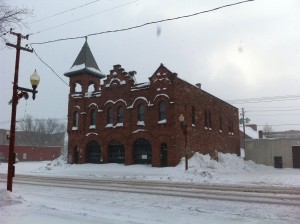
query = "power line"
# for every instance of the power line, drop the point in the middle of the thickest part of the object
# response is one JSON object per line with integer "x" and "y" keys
{"x": 272, "y": 107}
{"x": 145, "y": 24}
{"x": 49, "y": 67}
{"x": 273, "y": 115}
{"x": 84, "y": 17}
{"x": 69, "y": 10}
{"x": 278, "y": 125}
{"x": 249, "y": 111}
{"x": 265, "y": 99}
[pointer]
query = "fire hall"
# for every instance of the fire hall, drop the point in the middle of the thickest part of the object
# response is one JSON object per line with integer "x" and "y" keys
{"x": 114, "y": 119}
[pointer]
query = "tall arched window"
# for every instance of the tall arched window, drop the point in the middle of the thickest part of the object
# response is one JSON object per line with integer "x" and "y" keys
{"x": 120, "y": 115}
{"x": 205, "y": 119}
{"x": 193, "y": 116}
{"x": 141, "y": 113}
{"x": 93, "y": 117}
{"x": 75, "y": 119}
{"x": 110, "y": 116}
{"x": 162, "y": 110}
{"x": 78, "y": 88}
{"x": 209, "y": 120}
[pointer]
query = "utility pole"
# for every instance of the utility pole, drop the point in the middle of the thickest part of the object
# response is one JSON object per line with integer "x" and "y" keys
{"x": 243, "y": 117}
{"x": 12, "y": 155}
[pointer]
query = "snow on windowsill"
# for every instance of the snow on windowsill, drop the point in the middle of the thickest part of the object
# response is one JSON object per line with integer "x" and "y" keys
{"x": 92, "y": 127}
{"x": 119, "y": 125}
{"x": 141, "y": 123}
{"x": 74, "y": 128}
{"x": 109, "y": 126}
{"x": 162, "y": 121}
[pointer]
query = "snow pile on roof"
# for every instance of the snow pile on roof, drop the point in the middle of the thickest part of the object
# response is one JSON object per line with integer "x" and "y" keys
{"x": 250, "y": 132}
{"x": 8, "y": 198}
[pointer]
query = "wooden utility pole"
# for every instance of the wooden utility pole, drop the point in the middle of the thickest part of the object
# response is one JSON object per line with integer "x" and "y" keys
{"x": 243, "y": 117}
{"x": 11, "y": 154}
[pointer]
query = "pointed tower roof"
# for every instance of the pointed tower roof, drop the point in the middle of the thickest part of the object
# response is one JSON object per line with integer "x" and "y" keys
{"x": 85, "y": 63}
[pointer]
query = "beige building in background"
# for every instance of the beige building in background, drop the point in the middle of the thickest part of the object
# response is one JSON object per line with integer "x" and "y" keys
{"x": 279, "y": 153}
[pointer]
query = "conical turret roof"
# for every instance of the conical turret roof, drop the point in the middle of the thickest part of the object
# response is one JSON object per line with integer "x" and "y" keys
{"x": 85, "y": 63}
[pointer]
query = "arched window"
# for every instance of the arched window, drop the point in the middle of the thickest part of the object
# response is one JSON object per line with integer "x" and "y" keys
{"x": 209, "y": 120}
{"x": 120, "y": 115}
{"x": 141, "y": 113}
{"x": 110, "y": 116}
{"x": 193, "y": 116}
{"x": 78, "y": 88}
{"x": 162, "y": 110}
{"x": 91, "y": 87}
{"x": 93, "y": 117}
{"x": 75, "y": 119}
{"x": 205, "y": 119}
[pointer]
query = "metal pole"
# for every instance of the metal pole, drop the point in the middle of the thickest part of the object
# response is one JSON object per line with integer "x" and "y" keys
{"x": 243, "y": 114}
{"x": 186, "y": 153}
{"x": 11, "y": 155}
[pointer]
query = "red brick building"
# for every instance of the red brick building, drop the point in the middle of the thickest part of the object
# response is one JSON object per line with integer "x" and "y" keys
{"x": 31, "y": 153}
{"x": 118, "y": 120}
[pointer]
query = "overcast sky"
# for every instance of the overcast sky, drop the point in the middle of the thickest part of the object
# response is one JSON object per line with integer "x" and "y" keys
{"x": 250, "y": 50}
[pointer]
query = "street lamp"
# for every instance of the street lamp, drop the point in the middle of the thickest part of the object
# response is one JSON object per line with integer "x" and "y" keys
{"x": 18, "y": 93}
{"x": 183, "y": 126}
{"x": 34, "y": 80}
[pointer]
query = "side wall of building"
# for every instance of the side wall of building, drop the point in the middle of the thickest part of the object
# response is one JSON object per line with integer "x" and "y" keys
{"x": 215, "y": 126}
{"x": 31, "y": 153}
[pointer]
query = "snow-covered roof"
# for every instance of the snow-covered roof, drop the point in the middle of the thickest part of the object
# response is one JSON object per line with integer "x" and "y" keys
{"x": 250, "y": 132}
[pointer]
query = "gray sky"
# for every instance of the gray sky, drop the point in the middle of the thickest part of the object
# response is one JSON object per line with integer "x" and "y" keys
{"x": 251, "y": 50}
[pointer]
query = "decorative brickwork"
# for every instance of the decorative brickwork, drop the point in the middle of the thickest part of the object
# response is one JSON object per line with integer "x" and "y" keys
{"x": 122, "y": 121}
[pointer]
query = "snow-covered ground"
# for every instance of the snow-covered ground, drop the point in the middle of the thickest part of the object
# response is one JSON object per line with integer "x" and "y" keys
{"x": 28, "y": 204}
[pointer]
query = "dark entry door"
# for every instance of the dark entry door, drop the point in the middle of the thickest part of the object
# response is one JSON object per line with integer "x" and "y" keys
{"x": 75, "y": 155}
{"x": 296, "y": 156}
{"x": 278, "y": 161}
{"x": 164, "y": 155}
{"x": 143, "y": 151}
{"x": 116, "y": 152}
{"x": 93, "y": 152}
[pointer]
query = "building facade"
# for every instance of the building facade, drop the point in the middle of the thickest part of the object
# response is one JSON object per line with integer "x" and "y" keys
{"x": 31, "y": 153}
{"x": 111, "y": 118}
{"x": 279, "y": 153}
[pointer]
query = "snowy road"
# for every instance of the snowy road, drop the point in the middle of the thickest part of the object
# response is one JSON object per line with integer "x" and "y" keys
{"x": 230, "y": 191}
{"x": 77, "y": 201}
{"x": 268, "y": 195}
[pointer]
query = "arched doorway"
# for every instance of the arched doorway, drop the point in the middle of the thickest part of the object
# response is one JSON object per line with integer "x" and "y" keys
{"x": 75, "y": 154}
{"x": 93, "y": 152}
{"x": 116, "y": 152}
{"x": 163, "y": 155}
{"x": 142, "y": 151}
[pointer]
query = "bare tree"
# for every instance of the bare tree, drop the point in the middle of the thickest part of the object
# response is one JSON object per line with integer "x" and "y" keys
{"x": 40, "y": 132}
{"x": 12, "y": 17}
{"x": 268, "y": 131}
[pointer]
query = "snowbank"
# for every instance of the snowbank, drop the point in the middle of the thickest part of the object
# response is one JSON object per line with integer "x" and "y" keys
{"x": 8, "y": 198}
{"x": 229, "y": 169}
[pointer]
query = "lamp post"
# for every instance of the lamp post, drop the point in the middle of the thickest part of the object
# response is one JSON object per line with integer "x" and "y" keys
{"x": 18, "y": 93}
{"x": 183, "y": 126}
